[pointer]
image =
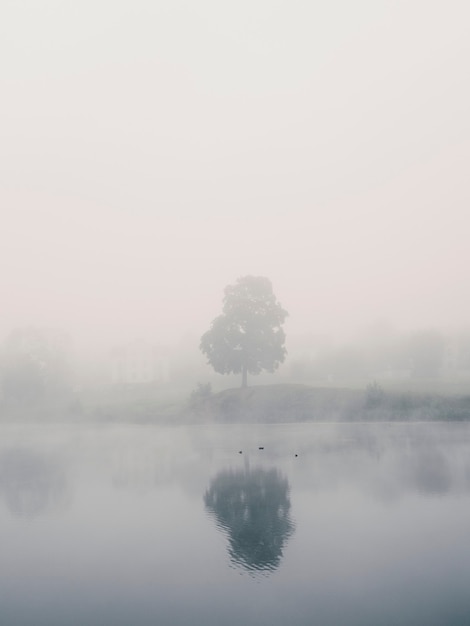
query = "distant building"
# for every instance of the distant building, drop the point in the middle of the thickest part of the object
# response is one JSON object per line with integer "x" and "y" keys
{"x": 138, "y": 363}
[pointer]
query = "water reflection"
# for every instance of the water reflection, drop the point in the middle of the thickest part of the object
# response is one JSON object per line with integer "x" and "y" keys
{"x": 31, "y": 484}
{"x": 428, "y": 471}
{"x": 253, "y": 507}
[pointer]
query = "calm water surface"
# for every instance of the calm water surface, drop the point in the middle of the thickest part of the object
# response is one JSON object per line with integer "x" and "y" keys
{"x": 120, "y": 525}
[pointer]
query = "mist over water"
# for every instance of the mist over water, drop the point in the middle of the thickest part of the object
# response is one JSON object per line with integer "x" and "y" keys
{"x": 366, "y": 523}
{"x": 151, "y": 154}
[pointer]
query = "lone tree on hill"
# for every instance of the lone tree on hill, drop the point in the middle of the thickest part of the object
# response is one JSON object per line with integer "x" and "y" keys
{"x": 248, "y": 336}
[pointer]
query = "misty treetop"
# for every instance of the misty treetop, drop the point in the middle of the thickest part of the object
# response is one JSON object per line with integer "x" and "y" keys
{"x": 248, "y": 336}
{"x": 34, "y": 363}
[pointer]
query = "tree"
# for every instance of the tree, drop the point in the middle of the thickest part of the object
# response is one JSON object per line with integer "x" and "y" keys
{"x": 34, "y": 363}
{"x": 248, "y": 336}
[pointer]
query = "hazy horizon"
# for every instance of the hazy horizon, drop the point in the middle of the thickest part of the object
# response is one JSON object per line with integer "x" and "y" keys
{"x": 154, "y": 152}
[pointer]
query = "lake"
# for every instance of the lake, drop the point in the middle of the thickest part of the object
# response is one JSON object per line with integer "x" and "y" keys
{"x": 328, "y": 524}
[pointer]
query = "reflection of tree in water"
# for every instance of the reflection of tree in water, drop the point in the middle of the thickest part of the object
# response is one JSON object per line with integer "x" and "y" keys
{"x": 430, "y": 472}
{"x": 30, "y": 483}
{"x": 253, "y": 507}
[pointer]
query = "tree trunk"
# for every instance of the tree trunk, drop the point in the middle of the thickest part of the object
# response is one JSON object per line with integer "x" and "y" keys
{"x": 244, "y": 377}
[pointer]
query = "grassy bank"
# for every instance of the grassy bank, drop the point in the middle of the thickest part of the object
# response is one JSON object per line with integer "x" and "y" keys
{"x": 301, "y": 403}
{"x": 282, "y": 403}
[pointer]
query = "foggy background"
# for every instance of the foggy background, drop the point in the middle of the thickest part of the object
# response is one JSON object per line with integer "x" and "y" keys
{"x": 152, "y": 152}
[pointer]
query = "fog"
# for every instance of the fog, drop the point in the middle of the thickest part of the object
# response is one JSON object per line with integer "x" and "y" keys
{"x": 153, "y": 152}
{"x": 369, "y": 523}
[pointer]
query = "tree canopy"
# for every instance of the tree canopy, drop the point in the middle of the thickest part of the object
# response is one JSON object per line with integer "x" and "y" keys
{"x": 248, "y": 336}
{"x": 34, "y": 363}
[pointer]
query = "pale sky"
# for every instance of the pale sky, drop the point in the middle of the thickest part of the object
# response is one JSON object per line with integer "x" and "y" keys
{"x": 151, "y": 152}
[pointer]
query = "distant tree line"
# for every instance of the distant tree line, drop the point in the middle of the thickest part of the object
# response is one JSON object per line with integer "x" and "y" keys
{"x": 419, "y": 355}
{"x": 246, "y": 338}
{"x": 35, "y": 367}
